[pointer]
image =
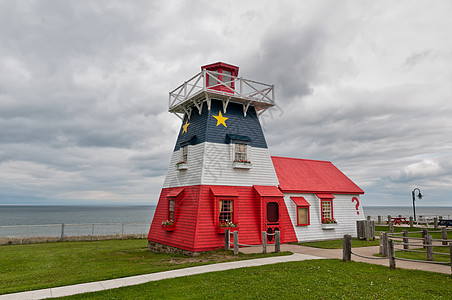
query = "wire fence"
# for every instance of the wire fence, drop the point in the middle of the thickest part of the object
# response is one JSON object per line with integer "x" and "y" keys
{"x": 26, "y": 234}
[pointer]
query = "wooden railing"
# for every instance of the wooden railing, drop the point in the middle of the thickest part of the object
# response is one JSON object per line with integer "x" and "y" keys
{"x": 235, "y": 234}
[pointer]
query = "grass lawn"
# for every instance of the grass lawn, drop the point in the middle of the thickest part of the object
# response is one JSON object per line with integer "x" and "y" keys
{"x": 337, "y": 244}
{"x": 321, "y": 279}
{"x": 436, "y": 234}
{"x": 37, "y": 266}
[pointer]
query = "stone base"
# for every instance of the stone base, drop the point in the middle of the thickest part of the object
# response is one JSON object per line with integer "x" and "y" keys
{"x": 162, "y": 248}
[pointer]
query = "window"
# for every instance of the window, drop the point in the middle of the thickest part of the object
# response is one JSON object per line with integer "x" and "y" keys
{"x": 227, "y": 78}
{"x": 302, "y": 215}
{"x": 184, "y": 153}
{"x": 171, "y": 210}
{"x": 327, "y": 209}
{"x": 226, "y": 211}
{"x": 240, "y": 152}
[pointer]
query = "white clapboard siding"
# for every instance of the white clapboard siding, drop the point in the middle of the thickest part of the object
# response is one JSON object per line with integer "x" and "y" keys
{"x": 212, "y": 164}
{"x": 344, "y": 211}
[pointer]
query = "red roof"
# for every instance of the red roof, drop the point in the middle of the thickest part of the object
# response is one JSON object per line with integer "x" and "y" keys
{"x": 268, "y": 191}
{"x": 175, "y": 192}
{"x": 224, "y": 191}
{"x": 300, "y": 201}
{"x": 313, "y": 176}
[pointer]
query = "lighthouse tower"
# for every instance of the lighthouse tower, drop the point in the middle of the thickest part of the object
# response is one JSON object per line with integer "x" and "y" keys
{"x": 221, "y": 171}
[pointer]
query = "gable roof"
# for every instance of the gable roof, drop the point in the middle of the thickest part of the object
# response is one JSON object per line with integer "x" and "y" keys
{"x": 314, "y": 176}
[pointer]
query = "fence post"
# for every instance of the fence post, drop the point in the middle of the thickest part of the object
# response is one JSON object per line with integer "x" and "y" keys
{"x": 122, "y": 230}
{"x": 368, "y": 218}
{"x": 62, "y": 232}
{"x": 391, "y": 227}
{"x": 277, "y": 241}
{"x": 411, "y": 222}
{"x": 264, "y": 242}
{"x": 227, "y": 239}
{"x": 435, "y": 223}
{"x": 384, "y": 243}
{"x": 389, "y": 219}
{"x": 450, "y": 255}
{"x": 92, "y": 232}
{"x": 347, "y": 248}
{"x": 429, "y": 248}
{"x": 444, "y": 236}
{"x": 424, "y": 236}
{"x": 379, "y": 220}
{"x": 405, "y": 240}
{"x": 21, "y": 232}
{"x": 392, "y": 262}
{"x": 236, "y": 242}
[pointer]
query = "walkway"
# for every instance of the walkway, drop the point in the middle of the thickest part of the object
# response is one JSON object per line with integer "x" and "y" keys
{"x": 300, "y": 253}
{"x": 134, "y": 280}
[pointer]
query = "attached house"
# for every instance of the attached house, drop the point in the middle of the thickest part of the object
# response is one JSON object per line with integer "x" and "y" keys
{"x": 221, "y": 175}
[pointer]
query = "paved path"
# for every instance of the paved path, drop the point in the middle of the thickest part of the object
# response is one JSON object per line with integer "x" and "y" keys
{"x": 134, "y": 280}
{"x": 300, "y": 253}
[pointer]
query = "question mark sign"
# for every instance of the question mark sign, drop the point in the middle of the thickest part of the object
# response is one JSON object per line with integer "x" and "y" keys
{"x": 357, "y": 204}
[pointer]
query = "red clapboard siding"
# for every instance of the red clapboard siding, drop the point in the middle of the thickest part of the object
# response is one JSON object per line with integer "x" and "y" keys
{"x": 196, "y": 220}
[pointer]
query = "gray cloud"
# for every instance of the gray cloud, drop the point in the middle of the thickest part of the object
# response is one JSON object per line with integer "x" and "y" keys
{"x": 84, "y": 89}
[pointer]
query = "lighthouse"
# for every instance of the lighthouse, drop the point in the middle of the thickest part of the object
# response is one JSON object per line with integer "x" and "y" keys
{"x": 221, "y": 174}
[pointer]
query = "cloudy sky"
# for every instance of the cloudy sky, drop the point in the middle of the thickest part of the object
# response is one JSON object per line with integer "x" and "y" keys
{"x": 84, "y": 91}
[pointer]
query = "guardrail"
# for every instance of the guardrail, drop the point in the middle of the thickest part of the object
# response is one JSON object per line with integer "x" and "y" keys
{"x": 20, "y": 234}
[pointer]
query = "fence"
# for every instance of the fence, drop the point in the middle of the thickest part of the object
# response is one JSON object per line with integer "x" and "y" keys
{"x": 421, "y": 220}
{"x": 20, "y": 234}
{"x": 388, "y": 241}
{"x": 235, "y": 234}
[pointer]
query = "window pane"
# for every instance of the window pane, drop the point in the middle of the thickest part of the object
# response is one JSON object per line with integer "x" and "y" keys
{"x": 185, "y": 153}
{"x": 226, "y": 211}
{"x": 227, "y": 78}
{"x": 326, "y": 209}
{"x": 303, "y": 215}
{"x": 240, "y": 152}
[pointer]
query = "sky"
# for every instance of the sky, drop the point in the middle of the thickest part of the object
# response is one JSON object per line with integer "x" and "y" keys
{"x": 84, "y": 92}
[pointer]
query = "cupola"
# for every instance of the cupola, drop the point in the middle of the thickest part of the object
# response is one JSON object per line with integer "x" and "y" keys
{"x": 221, "y": 77}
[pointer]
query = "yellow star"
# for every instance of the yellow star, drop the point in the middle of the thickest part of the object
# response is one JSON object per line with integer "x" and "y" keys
{"x": 185, "y": 126}
{"x": 220, "y": 119}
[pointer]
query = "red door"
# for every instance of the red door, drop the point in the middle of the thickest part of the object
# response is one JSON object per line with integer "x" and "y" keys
{"x": 272, "y": 220}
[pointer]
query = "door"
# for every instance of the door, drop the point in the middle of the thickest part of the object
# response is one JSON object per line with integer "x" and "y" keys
{"x": 272, "y": 220}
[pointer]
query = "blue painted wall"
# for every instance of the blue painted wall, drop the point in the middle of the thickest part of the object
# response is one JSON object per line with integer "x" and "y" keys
{"x": 203, "y": 127}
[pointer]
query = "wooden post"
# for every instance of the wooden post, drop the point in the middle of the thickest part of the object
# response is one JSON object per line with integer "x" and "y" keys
{"x": 368, "y": 218}
{"x": 405, "y": 239}
{"x": 384, "y": 243}
{"x": 236, "y": 242}
{"x": 347, "y": 248}
{"x": 227, "y": 239}
{"x": 379, "y": 220}
{"x": 444, "y": 236}
{"x": 62, "y": 232}
{"x": 392, "y": 262}
{"x": 21, "y": 232}
{"x": 391, "y": 227}
{"x": 264, "y": 242}
{"x": 411, "y": 222}
{"x": 435, "y": 223}
{"x": 92, "y": 232}
{"x": 400, "y": 216}
{"x": 450, "y": 255}
{"x": 277, "y": 241}
{"x": 440, "y": 217}
{"x": 122, "y": 230}
{"x": 424, "y": 236}
{"x": 389, "y": 219}
{"x": 429, "y": 247}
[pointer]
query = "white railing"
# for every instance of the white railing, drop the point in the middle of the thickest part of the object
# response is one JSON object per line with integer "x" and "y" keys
{"x": 245, "y": 90}
{"x": 18, "y": 234}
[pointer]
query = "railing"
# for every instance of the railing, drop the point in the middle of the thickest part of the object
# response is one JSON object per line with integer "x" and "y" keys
{"x": 235, "y": 234}
{"x": 20, "y": 234}
{"x": 195, "y": 89}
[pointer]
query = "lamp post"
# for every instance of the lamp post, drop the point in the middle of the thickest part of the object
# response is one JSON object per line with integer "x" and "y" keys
{"x": 419, "y": 195}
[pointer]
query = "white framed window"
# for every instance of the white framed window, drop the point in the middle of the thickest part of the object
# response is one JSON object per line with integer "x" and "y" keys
{"x": 240, "y": 152}
{"x": 185, "y": 153}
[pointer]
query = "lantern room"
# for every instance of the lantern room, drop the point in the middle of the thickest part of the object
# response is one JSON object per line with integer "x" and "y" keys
{"x": 222, "y": 76}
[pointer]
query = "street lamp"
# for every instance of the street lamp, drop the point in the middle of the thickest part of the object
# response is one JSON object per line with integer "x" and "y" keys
{"x": 419, "y": 195}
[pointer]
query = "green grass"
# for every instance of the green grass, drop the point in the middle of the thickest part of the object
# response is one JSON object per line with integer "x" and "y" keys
{"x": 436, "y": 234}
{"x": 337, "y": 244}
{"x": 37, "y": 266}
{"x": 423, "y": 256}
{"x": 317, "y": 279}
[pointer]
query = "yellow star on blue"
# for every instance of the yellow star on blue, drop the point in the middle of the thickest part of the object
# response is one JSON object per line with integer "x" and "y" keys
{"x": 185, "y": 127}
{"x": 220, "y": 119}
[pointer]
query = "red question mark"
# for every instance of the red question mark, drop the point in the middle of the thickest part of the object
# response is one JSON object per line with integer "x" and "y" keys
{"x": 357, "y": 204}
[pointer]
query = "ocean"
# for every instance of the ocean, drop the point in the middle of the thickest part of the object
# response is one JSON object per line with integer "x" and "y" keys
{"x": 43, "y": 214}
{"x": 15, "y": 217}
